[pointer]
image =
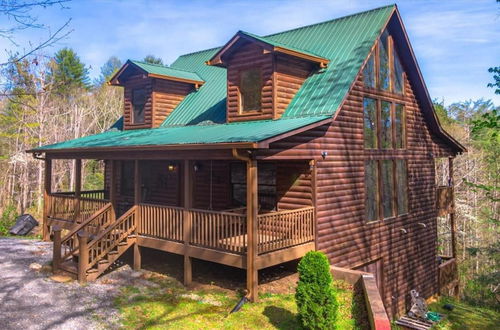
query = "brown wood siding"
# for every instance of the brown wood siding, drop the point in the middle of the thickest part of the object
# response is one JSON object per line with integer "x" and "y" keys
{"x": 249, "y": 56}
{"x": 159, "y": 184}
{"x": 289, "y": 76}
{"x": 137, "y": 82}
{"x": 166, "y": 96}
{"x": 408, "y": 259}
{"x": 293, "y": 185}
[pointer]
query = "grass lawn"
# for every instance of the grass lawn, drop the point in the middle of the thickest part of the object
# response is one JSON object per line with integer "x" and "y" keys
{"x": 171, "y": 306}
{"x": 465, "y": 316}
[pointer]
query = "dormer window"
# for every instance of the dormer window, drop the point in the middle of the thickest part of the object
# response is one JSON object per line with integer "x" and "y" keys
{"x": 250, "y": 90}
{"x": 138, "y": 105}
{"x": 152, "y": 92}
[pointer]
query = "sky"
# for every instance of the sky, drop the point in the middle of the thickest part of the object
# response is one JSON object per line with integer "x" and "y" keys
{"x": 455, "y": 42}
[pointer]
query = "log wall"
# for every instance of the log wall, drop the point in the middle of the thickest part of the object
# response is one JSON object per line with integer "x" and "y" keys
{"x": 166, "y": 96}
{"x": 408, "y": 259}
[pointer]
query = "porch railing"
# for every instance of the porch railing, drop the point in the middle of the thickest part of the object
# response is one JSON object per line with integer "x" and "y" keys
{"x": 227, "y": 231}
{"x": 278, "y": 230}
{"x": 67, "y": 207}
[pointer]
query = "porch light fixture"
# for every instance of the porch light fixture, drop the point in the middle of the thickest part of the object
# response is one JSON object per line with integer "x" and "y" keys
{"x": 324, "y": 154}
{"x": 171, "y": 167}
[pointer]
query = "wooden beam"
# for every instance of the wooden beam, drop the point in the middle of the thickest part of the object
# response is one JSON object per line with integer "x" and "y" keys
{"x": 252, "y": 209}
{"x": 112, "y": 183}
{"x": 46, "y": 198}
{"x": 78, "y": 186}
{"x": 452, "y": 214}
{"x": 188, "y": 268}
{"x": 137, "y": 201}
{"x": 284, "y": 255}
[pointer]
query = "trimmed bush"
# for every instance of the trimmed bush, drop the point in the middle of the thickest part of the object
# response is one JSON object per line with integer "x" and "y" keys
{"x": 315, "y": 297}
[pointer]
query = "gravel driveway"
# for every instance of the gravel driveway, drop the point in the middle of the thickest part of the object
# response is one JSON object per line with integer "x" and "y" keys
{"x": 29, "y": 299}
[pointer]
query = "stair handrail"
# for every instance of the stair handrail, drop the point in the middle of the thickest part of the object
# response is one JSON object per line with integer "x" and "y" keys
{"x": 71, "y": 240}
{"x": 127, "y": 221}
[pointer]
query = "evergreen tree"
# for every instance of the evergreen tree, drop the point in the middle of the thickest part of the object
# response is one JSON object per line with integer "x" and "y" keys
{"x": 153, "y": 60}
{"x": 68, "y": 71}
{"x": 109, "y": 68}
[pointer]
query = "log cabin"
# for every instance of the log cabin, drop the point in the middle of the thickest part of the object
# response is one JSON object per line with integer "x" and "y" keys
{"x": 251, "y": 154}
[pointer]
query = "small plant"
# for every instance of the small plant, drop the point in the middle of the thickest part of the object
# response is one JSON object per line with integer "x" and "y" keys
{"x": 7, "y": 219}
{"x": 315, "y": 297}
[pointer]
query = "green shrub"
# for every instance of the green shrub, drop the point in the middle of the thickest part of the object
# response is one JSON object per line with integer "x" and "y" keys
{"x": 7, "y": 219}
{"x": 315, "y": 297}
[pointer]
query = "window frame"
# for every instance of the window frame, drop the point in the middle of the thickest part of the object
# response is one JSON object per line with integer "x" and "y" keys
{"x": 241, "y": 70}
{"x": 378, "y": 127}
{"x": 375, "y": 52}
{"x": 379, "y": 191}
{"x": 133, "y": 106}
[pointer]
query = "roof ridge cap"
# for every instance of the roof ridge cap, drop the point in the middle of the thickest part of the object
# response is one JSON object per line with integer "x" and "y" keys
{"x": 331, "y": 20}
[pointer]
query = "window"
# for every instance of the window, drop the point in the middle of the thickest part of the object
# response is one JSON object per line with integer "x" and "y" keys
{"x": 370, "y": 123}
{"x": 402, "y": 193}
{"x": 384, "y": 66}
{"x": 386, "y": 125}
{"x": 127, "y": 178}
{"x": 398, "y": 73}
{"x": 387, "y": 198}
{"x": 384, "y": 69}
{"x": 250, "y": 90}
{"x": 369, "y": 72}
{"x": 383, "y": 124}
{"x": 138, "y": 103}
{"x": 386, "y": 188}
{"x": 371, "y": 184}
{"x": 399, "y": 126}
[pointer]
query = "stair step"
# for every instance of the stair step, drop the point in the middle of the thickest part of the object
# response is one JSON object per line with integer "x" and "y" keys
{"x": 122, "y": 243}
{"x": 112, "y": 252}
{"x": 92, "y": 270}
{"x": 103, "y": 261}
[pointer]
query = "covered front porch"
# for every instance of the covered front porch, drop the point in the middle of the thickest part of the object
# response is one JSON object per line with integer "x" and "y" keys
{"x": 239, "y": 212}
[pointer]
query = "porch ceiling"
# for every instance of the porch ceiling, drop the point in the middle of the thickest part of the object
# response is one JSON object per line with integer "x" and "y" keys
{"x": 232, "y": 135}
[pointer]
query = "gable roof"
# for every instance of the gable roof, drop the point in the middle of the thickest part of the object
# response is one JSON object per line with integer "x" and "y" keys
{"x": 345, "y": 42}
{"x": 271, "y": 45}
{"x": 158, "y": 71}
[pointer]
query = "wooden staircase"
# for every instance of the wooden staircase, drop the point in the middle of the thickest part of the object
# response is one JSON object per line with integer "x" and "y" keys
{"x": 93, "y": 246}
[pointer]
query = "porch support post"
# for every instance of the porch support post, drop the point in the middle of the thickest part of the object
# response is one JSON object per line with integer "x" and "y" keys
{"x": 188, "y": 268}
{"x": 252, "y": 211}
{"x": 452, "y": 214}
{"x": 137, "y": 201}
{"x": 46, "y": 198}
{"x": 112, "y": 183}
{"x": 78, "y": 187}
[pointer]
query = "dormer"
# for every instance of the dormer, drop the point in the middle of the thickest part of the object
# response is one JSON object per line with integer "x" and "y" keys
{"x": 263, "y": 75}
{"x": 151, "y": 92}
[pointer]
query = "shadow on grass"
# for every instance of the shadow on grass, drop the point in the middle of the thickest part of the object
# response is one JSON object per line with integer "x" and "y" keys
{"x": 281, "y": 318}
{"x": 358, "y": 307}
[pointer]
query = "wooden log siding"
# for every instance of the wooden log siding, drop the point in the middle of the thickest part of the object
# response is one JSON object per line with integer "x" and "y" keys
{"x": 249, "y": 56}
{"x": 137, "y": 82}
{"x": 409, "y": 260}
{"x": 166, "y": 96}
{"x": 293, "y": 185}
{"x": 290, "y": 74}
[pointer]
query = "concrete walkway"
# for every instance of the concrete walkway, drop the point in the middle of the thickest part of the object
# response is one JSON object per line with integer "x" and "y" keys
{"x": 29, "y": 299}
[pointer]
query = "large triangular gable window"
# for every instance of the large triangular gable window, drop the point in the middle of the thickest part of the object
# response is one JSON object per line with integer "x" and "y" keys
{"x": 383, "y": 69}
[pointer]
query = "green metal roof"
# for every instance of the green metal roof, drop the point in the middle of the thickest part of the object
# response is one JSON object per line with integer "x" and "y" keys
{"x": 250, "y": 131}
{"x": 166, "y": 71}
{"x": 345, "y": 41}
{"x": 201, "y": 116}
